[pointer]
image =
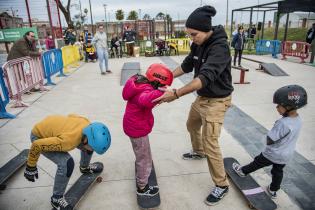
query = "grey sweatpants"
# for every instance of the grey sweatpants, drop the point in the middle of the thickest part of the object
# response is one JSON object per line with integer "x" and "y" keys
{"x": 65, "y": 165}
{"x": 141, "y": 148}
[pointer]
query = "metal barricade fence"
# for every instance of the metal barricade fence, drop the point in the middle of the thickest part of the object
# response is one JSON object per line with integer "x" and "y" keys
{"x": 70, "y": 57}
{"x": 268, "y": 47}
{"x": 52, "y": 63}
{"x": 183, "y": 44}
{"x": 4, "y": 98}
{"x": 295, "y": 49}
{"x": 21, "y": 75}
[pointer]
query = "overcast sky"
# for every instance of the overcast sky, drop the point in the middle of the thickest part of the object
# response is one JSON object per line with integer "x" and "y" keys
{"x": 178, "y": 9}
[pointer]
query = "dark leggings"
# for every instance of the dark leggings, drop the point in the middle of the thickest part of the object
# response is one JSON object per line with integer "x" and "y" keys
{"x": 259, "y": 162}
{"x": 239, "y": 53}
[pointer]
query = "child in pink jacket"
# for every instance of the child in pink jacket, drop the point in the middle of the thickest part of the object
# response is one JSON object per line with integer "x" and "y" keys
{"x": 139, "y": 92}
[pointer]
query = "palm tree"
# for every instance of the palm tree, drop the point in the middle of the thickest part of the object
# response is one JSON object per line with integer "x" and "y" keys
{"x": 146, "y": 17}
{"x": 133, "y": 15}
{"x": 120, "y": 15}
{"x": 160, "y": 16}
{"x": 169, "y": 24}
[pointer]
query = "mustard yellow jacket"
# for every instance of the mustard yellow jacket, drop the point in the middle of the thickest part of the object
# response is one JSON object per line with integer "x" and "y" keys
{"x": 56, "y": 133}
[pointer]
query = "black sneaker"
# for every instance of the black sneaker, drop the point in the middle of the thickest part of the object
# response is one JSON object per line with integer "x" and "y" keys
{"x": 60, "y": 204}
{"x": 216, "y": 195}
{"x": 148, "y": 191}
{"x": 92, "y": 168}
{"x": 273, "y": 194}
{"x": 193, "y": 156}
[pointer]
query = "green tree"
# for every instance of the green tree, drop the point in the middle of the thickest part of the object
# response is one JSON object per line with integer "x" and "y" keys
{"x": 146, "y": 17}
{"x": 160, "y": 16}
{"x": 133, "y": 15}
{"x": 120, "y": 15}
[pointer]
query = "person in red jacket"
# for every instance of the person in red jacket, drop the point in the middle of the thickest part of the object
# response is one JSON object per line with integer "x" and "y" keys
{"x": 139, "y": 92}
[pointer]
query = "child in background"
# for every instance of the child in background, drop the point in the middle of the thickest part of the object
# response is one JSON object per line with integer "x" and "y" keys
{"x": 139, "y": 91}
{"x": 90, "y": 53}
{"x": 281, "y": 139}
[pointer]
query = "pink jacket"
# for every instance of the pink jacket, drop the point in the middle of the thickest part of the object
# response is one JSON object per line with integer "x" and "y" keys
{"x": 138, "y": 118}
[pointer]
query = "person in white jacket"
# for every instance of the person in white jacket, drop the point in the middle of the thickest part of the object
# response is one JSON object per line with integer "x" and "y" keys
{"x": 100, "y": 42}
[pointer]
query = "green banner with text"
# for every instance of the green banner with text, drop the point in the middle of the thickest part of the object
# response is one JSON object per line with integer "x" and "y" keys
{"x": 13, "y": 34}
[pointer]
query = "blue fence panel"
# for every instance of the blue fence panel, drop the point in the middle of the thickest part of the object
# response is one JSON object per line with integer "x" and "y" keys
{"x": 268, "y": 47}
{"x": 4, "y": 98}
{"x": 52, "y": 63}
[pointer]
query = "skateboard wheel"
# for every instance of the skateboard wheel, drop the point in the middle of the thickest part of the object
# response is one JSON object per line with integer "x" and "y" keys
{"x": 99, "y": 179}
{"x": 2, "y": 187}
{"x": 251, "y": 206}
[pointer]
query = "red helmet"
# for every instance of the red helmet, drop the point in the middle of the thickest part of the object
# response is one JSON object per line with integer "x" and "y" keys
{"x": 159, "y": 72}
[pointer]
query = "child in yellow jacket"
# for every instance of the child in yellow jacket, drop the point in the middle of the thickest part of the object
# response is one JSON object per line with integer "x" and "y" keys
{"x": 54, "y": 137}
{"x": 90, "y": 52}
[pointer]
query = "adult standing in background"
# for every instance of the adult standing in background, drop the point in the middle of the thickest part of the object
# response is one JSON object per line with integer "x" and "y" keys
{"x": 100, "y": 41}
{"x": 238, "y": 43}
{"x": 129, "y": 37}
{"x": 310, "y": 38}
{"x": 310, "y": 35}
{"x": 210, "y": 59}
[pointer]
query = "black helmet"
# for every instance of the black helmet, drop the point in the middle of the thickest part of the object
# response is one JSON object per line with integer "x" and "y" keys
{"x": 291, "y": 96}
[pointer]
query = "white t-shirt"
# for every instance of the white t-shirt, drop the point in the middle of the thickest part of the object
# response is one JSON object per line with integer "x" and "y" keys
{"x": 284, "y": 133}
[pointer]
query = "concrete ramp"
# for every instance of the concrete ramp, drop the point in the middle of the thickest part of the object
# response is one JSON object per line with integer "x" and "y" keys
{"x": 273, "y": 69}
{"x": 129, "y": 69}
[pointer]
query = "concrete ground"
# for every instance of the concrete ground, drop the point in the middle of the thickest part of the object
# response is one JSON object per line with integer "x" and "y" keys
{"x": 183, "y": 184}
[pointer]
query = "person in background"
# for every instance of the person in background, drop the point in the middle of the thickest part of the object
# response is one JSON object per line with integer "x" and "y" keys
{"x": 70, "y": 36}
{"x": 24, "y": 47}
{"x": 90, "y": 52}
{"x": 310, "y": 35}
{"x": 310, "y": 38}
{"x": 49, "y": 42}
{"x": 100, "y": 41}
{"x": 115, "y": 46}
{"x": 130, "y": 38}
{"x": 238, "y": 44}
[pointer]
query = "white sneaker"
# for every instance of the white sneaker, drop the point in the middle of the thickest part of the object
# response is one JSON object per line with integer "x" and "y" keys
{"x": 238, "y": 169}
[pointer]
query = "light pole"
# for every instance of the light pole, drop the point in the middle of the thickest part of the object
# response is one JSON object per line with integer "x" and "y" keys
{"x": 105, "y": 18}
{"x": 91, "y": 17}
{"x": 227, "y": 14}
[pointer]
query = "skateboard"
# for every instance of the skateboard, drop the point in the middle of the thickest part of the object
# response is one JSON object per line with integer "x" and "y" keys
{"x": 81, "y": 186}
{"x": 147, "y": 202}
{"x": 11, "y": 167}
{"x": 252, "y": 191}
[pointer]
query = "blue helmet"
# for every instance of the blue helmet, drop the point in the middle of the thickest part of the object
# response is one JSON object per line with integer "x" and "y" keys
{"x": 98, "y": 137}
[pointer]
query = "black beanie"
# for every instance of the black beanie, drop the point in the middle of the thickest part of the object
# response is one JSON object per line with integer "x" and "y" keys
{"x": 200, "y": 19}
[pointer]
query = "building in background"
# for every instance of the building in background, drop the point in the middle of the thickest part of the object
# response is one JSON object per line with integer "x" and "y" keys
{"x": 298, "y": 20}
{"x": 8, "y": 21}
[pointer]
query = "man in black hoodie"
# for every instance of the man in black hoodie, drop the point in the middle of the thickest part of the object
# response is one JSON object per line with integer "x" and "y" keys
{"x": 211, "y": 61}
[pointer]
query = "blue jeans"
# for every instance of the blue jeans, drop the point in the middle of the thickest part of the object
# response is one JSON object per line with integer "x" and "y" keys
{"x": 65, "y": 165}
{"x": 102, "y": 54}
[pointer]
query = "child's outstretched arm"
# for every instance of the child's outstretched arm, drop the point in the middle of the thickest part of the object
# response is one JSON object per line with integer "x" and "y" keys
{"x": 146, "y": 98}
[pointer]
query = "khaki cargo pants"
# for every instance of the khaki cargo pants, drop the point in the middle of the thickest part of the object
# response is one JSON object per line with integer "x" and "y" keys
{"x": 204, "y": 126}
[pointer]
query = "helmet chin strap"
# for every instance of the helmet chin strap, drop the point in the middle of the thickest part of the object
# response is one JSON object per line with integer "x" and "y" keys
{"x": 286, "y": 113}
